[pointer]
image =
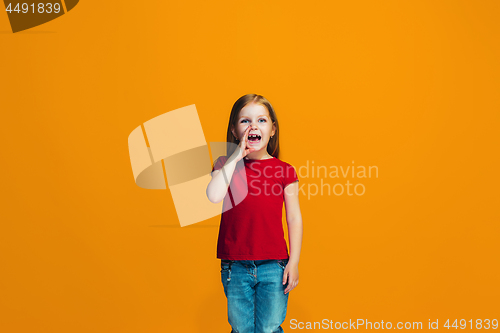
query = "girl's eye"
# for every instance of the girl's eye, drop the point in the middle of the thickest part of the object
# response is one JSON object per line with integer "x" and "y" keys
{"x": 245, "y": 120}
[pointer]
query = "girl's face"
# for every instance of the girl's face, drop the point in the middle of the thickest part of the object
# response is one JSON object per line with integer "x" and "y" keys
{"x": 262, "y": 128}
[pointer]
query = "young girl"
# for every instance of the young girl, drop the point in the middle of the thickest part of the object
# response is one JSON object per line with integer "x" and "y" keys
{"x": 256, "y": 271}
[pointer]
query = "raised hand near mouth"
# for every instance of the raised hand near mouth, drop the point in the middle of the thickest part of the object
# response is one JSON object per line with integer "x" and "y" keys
{"x": 243, "y": 149}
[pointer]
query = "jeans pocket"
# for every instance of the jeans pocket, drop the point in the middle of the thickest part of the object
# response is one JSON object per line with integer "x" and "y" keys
{"x": 282, "y": 263}
{"x": 225, "y": 265}
{"x": 225, "y": 269}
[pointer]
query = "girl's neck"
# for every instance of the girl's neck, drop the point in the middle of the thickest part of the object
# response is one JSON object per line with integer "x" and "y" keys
{"x": 261, "y": 156}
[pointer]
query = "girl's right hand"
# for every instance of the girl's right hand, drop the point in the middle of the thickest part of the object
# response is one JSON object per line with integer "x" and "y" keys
{"x": 243, "y": 150}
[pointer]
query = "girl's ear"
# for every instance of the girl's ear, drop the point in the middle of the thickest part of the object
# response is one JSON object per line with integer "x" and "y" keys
{"x": 274, "y": 129}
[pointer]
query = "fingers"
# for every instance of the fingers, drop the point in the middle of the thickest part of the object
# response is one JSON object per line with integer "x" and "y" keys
{"x": 293, "y": 280}
{"x": 285, "y": 278}
{"x": 245, "y": 137}
{"x": 244, "y": 143}
{"x": 291, "y": 285}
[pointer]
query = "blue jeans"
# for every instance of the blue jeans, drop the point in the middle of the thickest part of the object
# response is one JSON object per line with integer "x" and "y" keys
{"x": 256, "y": 302}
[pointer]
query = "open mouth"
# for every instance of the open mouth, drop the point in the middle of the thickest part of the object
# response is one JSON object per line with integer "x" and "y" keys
{"x": 254, "y": 138}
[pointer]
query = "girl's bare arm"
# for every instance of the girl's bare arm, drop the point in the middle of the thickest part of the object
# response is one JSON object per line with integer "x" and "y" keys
{"x": 294, "y": 222}
{"x": 217, "y": 188}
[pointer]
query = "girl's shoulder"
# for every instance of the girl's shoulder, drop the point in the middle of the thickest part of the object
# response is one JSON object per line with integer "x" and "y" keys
{"x": 279, "y": 161}
{"x": 219, "y": 162}
{"x": 222, "y": 158}
{"x": 290, "y": 174}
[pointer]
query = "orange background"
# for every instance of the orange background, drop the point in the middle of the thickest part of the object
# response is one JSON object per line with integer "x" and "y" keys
{"x": 409, "y": 86}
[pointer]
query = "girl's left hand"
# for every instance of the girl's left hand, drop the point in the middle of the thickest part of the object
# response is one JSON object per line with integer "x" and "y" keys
{"x": 292, "y": 274}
